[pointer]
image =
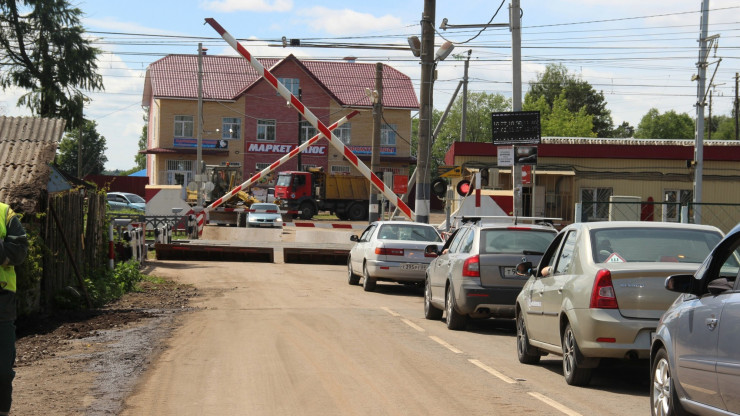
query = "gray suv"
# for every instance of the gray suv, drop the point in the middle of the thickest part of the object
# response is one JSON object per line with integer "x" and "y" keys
{"x": 474, "y": 273}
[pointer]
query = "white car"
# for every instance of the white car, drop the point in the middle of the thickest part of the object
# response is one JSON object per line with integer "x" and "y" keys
{"x": 264, "y": 215}
{"x": 391, "y": 251}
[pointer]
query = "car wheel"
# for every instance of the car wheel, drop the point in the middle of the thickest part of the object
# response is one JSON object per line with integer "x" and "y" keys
{"x": 454, "y": 320}
{"x": 526, "y": 353}
{"x": 356, "y": 212}
{"x": 663, "y": 398}
{"x": 574, "y": 375}
{"x": 306, "y": 211}
{"x": 368, "y": 283}
{"x": 430, "y": 311}
{"x": 352, "y": 278}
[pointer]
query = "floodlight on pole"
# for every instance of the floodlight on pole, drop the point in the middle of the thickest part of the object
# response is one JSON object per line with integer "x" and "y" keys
{"x": 444, "y": 51}
{"x": 415, "y": 45}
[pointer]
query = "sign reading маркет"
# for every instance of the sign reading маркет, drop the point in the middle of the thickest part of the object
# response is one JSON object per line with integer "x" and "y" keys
{"x": 516, "y": 127}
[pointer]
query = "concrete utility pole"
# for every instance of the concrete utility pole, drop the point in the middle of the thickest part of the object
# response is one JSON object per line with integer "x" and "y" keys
{"x": 737, "y": 109}
{"x": 423, "y": 176}
{"x": 199, "y": 151}
{"x": 300, "y": 132}
{"x": 377, "y": 97}
{"x": 464, "y": 124}
{"x": 515, "y": 25}
{"x": 700, "y": 103}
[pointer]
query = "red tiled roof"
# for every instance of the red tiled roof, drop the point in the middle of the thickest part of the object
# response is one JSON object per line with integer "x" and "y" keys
{"x": 226, "y": 77}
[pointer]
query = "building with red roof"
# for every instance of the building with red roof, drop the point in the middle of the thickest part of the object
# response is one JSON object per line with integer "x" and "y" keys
{"x": 246, "y": 123}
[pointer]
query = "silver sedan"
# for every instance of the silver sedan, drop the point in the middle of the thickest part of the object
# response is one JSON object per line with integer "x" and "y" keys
{"x": 264, "y": 215}
{"x": 391, "y": 251}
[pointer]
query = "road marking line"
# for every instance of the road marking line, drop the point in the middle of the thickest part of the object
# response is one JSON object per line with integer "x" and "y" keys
{"x": 444, "y": 344}
{"x": 493, "y": 372}
{"x": 568, "y": 411}
{"x": 390, "y": 311}
{"x": 412, "y": 325}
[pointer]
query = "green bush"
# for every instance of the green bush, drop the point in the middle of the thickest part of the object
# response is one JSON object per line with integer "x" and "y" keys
{"x": 103, "y": 287}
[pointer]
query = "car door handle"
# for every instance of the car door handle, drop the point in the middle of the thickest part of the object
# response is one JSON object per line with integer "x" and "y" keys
{"x": 712, "y": 323}
{"x": 560, "y": 290}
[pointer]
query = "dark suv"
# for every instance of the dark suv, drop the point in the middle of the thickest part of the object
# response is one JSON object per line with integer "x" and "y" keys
{"x": 474, "y": 274}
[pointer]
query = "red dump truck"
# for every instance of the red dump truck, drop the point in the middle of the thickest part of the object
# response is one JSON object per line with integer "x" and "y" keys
{"x": 304, "y": 194}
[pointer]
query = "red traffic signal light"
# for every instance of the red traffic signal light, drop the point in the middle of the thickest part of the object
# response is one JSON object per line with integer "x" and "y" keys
{"x": 463, "y": 187}
{"x": 439, "y": 188}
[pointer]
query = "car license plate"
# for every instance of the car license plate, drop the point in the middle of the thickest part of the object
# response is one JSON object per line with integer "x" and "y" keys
{"x": 414, "y": 266}
{"x": 510, "y": 272}
{"x": 265, "y": 224}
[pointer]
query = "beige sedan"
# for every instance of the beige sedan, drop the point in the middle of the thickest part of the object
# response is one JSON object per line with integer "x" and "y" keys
{"x": 598, "y": 291}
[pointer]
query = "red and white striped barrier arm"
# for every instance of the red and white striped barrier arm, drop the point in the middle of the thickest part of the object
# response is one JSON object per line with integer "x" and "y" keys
{"x": 201, "y": 220}
{"x": 326, "y": 225}
{"x": 315, "y": 122}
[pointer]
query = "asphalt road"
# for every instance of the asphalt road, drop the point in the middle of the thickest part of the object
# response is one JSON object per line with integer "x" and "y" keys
{"x": 291, "y": 339}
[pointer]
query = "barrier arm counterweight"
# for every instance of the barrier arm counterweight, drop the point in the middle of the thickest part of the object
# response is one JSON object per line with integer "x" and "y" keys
{"x": 267, "y": 170}
{"x": 311, "y": 118}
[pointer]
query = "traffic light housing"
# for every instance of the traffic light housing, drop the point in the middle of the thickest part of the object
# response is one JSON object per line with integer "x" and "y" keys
{"x": 439, "y": 188}
{"x": 463, "y": 187}
{"x": 483, "y": 177}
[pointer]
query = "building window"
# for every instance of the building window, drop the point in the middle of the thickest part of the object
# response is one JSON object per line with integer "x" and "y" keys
{"x": 675, "y": 198}
{"x": 292, "y": 84}
{"x": 231, "y": 128}
{"x": 307, "y": 131}
{"x": 595, "y": 203}
{"x": 344, "y": 132}
{"x": 266, "y": 130}
{"x": 339, "y": 170}
{"x": 179, "y": 172}
{"x": 388, "y": 135}
{"x": 183, "y": 126}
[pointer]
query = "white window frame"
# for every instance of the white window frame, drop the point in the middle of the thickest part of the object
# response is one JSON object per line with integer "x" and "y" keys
{"x": 344, "y": 132}
{"x": 183, "y": 168}
{"x": 231, "y": 128}
{"x": 601, "y": 199}
{"x": 292, "y": 84}
{"x": 307, "y": 131}
{"x": 388, "y": 134}
{"x": 184, "y": 126}
{"x": 266, "y": 130}
{"x": 682, "y": 196}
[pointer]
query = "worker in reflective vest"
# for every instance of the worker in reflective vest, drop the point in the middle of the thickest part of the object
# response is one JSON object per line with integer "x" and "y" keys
{"x": 13, "y": 250}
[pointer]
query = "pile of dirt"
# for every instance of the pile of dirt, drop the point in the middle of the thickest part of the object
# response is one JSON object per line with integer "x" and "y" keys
{"x": 87, "y": 362}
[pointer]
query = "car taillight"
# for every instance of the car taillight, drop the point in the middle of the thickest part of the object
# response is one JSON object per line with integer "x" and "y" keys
{"x": 389, "y": 251}
{"x": 603, "y": 296}
{"x": 471, "y": 267}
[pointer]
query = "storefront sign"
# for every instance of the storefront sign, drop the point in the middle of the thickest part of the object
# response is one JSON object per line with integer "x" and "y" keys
{"x": 282, "y": 148}
{"x": 205, "y": 144}
{"x": 368, "y": 150}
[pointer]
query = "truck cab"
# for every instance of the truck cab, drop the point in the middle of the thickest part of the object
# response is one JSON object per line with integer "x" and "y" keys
{"x": 294, "y": 190}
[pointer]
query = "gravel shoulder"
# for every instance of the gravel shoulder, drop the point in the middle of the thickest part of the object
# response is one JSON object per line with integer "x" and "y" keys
{"x": 87, "y": 362}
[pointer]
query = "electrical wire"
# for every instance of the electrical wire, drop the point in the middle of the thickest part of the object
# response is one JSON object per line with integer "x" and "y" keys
{"x": 479, "y": 32}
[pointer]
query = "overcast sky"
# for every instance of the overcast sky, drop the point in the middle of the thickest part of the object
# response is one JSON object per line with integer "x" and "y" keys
{"x": 641, "y": 54}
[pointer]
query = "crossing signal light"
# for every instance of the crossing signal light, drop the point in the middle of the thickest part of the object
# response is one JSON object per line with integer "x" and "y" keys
{"x": 463, "y": 187}
{"x": 439, "y": 188}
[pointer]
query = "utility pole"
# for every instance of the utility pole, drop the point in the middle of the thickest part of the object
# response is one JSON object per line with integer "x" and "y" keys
{"x": 300, "y": 130}
{"x": 377, "y": 97}
{"x": 423, "y": 176}
{"x": 199, "y": 151}
{"x": 463, "y": 127}
{"x": 515, "y": 25}
{"x": 737, "y": 109}
{"x": 700, "y": 88}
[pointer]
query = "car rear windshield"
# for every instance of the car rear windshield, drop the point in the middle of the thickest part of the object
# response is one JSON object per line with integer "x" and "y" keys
{"x": 515, "y": 240}
{"x": 652, "y": 245}
{"x": 408, "y": 232}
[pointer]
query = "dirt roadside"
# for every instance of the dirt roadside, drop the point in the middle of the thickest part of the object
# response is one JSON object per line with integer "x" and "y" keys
{"x": 87, "y": 362}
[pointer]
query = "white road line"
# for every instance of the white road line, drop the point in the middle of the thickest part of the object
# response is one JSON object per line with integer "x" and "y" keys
{"x": 390, "y": 311}
{"x": 444, "y": 344}
{"x": 412, "y": 325}
{"x": 493, "y": 372}
{"x": 553, "y": 403}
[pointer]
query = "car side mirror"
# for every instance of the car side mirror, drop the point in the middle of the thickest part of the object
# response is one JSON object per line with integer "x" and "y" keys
{"x": 432, "y": 250}
{"x": 524, "y": 269}
{"x": 680, "y": 283}
{"x": 354, "y": 238}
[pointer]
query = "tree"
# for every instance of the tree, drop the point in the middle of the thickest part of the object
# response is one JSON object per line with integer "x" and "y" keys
{"x": 45, "y": 53}
{"x": 556, "y": 80}
{"x": 558, "y": 120}
{"x": 669, "y": 125}
{"x": 722, "y": 127}
{"x": 624, "y": 131}
{"x": 478, "y": 123}
{"x": 93, "y": 151}
{"x": 140, "y": 158}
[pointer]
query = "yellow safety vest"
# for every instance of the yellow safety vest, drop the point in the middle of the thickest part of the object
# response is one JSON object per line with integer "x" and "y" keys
{"x": 7, "y": 273}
